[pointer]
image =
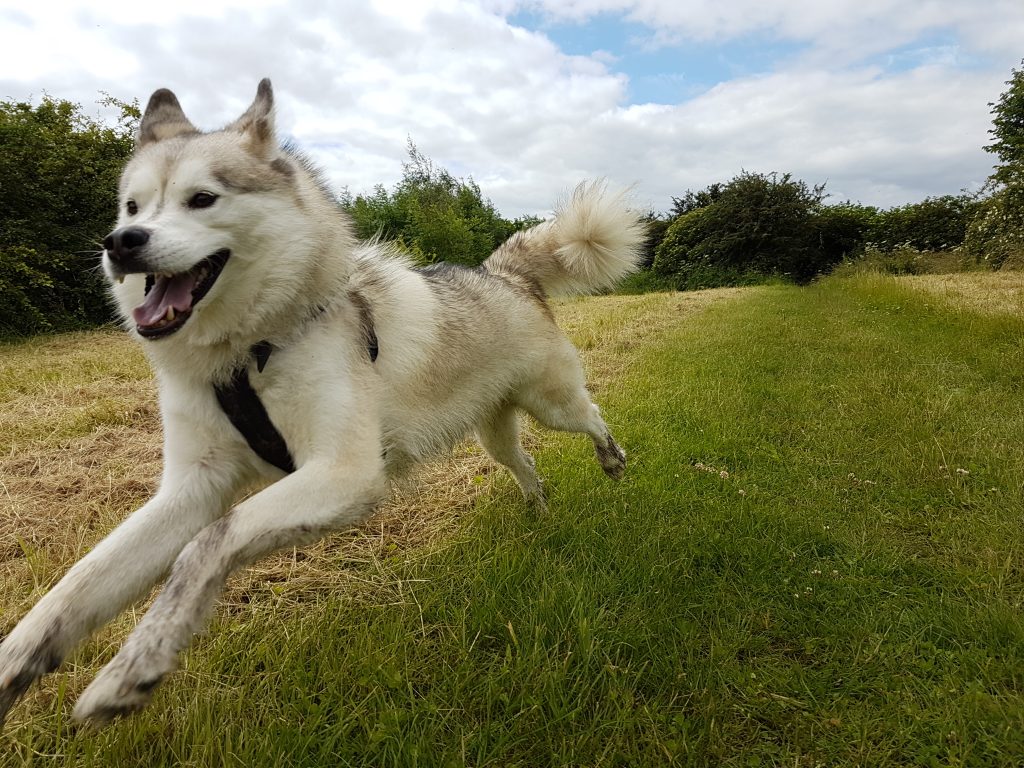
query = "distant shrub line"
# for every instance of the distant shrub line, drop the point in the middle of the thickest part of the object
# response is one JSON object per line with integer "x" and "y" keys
{"x": 758, "y": 227}
{"x": 58, "y": 182}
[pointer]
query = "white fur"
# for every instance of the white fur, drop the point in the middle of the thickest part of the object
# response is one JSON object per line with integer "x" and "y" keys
{"x": 590, "y": 244}
{"x": 459, "y": 353}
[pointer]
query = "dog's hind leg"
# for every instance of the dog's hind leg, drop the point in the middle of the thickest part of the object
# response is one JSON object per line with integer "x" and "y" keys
{"x": 117, "y": 572}
{"x": 573, "y": 412}
{"x": 297, "y": 510}
{"x": 561, "y": 402}
{"x": 499, "y": 435}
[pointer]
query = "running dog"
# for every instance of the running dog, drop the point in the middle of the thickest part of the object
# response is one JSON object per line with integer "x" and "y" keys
{"x": 290, "y": 356}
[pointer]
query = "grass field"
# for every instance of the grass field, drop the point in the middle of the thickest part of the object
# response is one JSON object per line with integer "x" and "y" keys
{"x": 816, "y": 558}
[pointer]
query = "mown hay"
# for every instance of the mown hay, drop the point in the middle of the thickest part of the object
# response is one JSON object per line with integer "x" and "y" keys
{"x": 80, "y": 442}
{"x": 80, "y": 449}
{"x": 987, "y": 292}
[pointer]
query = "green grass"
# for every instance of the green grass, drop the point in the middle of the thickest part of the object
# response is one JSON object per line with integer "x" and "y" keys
{"x": 816, "y": 558}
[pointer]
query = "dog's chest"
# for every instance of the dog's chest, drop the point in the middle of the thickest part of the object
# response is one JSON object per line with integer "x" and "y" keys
{"x": 285, "y": 395}
{"x": 310, "y": 398}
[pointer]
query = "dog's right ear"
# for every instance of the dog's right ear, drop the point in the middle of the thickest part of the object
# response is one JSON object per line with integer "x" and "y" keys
{"x": 163, "y": 119}
{"x": 257, "y": 122}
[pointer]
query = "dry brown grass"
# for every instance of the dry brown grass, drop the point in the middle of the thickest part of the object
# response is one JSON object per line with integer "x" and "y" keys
{"x": 987, "y": 292}
{"x": 80, "y": 441}
{"x": 80, "y": 449}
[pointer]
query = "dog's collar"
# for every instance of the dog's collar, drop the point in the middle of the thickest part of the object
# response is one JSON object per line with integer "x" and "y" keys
{"x": 246, "y": 411}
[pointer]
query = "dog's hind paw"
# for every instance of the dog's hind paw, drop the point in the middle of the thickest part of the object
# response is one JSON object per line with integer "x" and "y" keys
{"x": 611, "y": 457}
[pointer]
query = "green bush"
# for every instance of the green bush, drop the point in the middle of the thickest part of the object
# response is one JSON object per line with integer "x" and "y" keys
{"x": 42, "y": 291}
{"x": 645, "y": 281}
{"x": 435, "y": 216}
{"x": 679, "y": 248}
{"x": 58, "y": 198}
{"x": 755, "y": 227}
{"x": 657, "y": 227}
{"x": 905, "y": 260}
{"x": 842, "y": 229}
{"x": 25, "y": 291}
{"x": 995, "y": 235}
{"x": 935, "y": 223}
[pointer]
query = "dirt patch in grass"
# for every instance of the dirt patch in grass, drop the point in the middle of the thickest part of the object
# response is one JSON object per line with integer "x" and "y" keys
{"x": 986, "y": 292}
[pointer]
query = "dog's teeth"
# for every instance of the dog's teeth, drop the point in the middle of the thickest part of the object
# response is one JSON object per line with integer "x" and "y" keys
{"x": 170, "y": 314}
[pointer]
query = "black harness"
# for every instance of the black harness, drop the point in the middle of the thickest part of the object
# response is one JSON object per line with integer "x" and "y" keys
{"x": 246, "y": 411}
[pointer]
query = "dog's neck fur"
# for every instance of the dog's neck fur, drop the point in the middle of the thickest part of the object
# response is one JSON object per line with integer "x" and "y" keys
{"x": 184, "y": 354}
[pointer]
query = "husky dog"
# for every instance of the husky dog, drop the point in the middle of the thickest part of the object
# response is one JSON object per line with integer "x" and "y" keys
{"x": 291, "y": 356}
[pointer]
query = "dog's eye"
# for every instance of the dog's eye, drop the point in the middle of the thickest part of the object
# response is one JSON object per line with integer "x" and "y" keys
{"x": 202, "y": 200}
{"x": 132, "y": 208}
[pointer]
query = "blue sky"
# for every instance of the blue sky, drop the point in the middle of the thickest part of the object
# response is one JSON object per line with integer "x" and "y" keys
{"x": 660, "y": 74}
{"x": 884, "y": 100}
{"x": 670, "y": 73}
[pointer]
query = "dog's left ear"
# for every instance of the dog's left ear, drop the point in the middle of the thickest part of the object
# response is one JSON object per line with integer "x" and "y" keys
{"x": 257, "y": 122}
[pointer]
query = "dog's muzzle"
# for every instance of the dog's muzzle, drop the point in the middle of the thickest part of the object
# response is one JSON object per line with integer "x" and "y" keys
{"x": 126, "y": 250}
{"x": 169, "y": 297}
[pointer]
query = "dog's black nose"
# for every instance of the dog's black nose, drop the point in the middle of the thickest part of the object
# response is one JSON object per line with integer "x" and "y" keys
{"x": 124, "y": 244}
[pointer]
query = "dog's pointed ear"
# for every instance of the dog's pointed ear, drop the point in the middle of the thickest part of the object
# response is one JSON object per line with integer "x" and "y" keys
{"x": 257, "y": 122}
{"x": 163, "y": 119}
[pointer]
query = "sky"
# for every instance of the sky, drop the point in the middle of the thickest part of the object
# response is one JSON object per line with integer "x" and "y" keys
{"x": 886, "y": 102}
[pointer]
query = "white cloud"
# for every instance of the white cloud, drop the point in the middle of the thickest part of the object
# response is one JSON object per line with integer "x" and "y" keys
{"x": 849, "y": 29}
{"x": 505, "y": 105}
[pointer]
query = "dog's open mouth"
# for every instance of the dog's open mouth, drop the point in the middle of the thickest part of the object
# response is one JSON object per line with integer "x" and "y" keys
{"x": 171, "y": 298}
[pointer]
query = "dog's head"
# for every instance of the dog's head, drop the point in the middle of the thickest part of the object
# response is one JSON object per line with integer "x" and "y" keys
{"x": 199, "y": 210}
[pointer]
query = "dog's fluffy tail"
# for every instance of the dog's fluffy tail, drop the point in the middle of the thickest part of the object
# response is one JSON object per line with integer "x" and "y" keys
{"x": 593, "y": 242}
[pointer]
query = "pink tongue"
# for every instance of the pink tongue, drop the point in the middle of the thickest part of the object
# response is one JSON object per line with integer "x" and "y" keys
{"x": 166, "y": 292}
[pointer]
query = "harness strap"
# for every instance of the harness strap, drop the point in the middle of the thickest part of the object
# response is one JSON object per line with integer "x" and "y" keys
{"x": 366, "y": 321}
{"x": 246, "y": 411}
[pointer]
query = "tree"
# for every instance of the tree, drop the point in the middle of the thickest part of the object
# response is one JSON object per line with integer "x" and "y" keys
{"x": 58, "y": 198}
{"x": 691, "y": 201}
{"x": 1008, "y": 129}
{"x": 757, "y": 225}
{"x": 435, "y": 216}
{"x": 995, "y": 233}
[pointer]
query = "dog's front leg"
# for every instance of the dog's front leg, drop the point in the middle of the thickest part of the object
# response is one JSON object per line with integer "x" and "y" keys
{"x": 297, "y": 510}
{"x": 118, "y": 571}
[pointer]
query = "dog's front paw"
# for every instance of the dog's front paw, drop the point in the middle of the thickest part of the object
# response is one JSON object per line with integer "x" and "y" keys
{"x": 125, "y": 685}
{"x": 13, "y": 685}
{"x": 23, "y": 660}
